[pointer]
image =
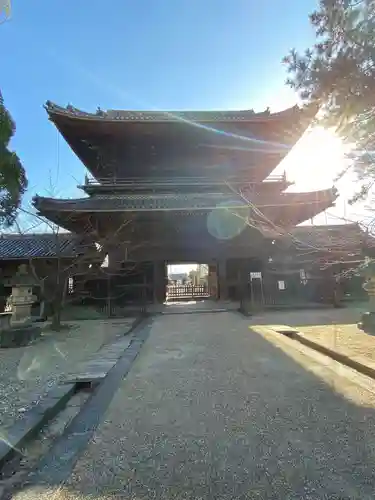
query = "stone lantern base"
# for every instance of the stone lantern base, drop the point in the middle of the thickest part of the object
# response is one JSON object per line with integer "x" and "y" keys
{"x": 19, "y": 336}
{"x": 367, "y": 323}
{"x": 16, "y": 336}
{"x": 16, "y": 326}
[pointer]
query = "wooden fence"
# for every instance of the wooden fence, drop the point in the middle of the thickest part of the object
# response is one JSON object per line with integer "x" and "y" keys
{"x": 184, "y": 292}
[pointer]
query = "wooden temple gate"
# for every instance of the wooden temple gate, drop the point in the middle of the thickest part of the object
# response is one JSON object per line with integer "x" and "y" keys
{"x": 157, "y": 198}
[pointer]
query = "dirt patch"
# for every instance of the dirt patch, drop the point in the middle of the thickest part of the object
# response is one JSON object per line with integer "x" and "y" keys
{"x": 346, "y": 339}
{"x": 333, "y": 328}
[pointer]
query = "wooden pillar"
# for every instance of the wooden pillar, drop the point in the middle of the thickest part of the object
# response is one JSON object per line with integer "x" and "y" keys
{"x": 155, "y": 281}
{"x": 222, "y": 279}
{"x": 212, "y": 281}
{"x": 109, "y": 292}
{"x": 159, "y": 281}
{"x": 244, "y": 280}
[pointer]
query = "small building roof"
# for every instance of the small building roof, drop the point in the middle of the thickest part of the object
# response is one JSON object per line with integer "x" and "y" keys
{"x": 43, "y": 245}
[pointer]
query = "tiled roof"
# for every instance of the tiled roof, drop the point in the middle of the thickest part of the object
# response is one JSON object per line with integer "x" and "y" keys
{"x": 338, "y": 235}
{"x": 177, "y": 201}
{"x": 24, "y": 246}
{"x": 170, "y": 116}
{"x": 138, "y": 202}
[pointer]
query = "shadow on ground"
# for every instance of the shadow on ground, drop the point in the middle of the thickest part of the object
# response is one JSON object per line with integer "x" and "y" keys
{"x": 309, "y": 317}
{"x": 213, "y": 410}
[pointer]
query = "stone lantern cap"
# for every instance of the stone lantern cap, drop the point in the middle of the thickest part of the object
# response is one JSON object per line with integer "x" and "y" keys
{"x": 23, "y": 277}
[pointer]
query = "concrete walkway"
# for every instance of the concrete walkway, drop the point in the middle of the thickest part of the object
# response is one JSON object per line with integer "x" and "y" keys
{"x": 212, "y": 410}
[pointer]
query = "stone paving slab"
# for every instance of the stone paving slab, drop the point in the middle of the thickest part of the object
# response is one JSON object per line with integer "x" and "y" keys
{"x": 193, "y": 306}
{"x": 213, "y": 410}
{"x": 94, "y": 369}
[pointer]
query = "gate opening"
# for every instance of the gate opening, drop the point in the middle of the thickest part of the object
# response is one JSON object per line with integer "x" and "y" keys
{"x": 187, "y": 282}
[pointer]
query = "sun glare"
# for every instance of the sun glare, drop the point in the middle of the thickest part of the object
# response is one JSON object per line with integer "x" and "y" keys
{"x": 314, "y": 163}
{"x": 315, "y": 160}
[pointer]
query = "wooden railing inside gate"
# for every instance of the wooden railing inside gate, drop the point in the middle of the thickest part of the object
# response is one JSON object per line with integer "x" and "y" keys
{"x": 175, "y": 292}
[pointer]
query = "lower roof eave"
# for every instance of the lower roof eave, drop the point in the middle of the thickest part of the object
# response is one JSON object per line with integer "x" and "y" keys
{"x": 182, "y": 202}
{"x": 315, "y": 209}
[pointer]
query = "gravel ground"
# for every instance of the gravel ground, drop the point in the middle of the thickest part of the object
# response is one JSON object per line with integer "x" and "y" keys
{"x": 27, "y": 372}
{"x": 213, "y": 410}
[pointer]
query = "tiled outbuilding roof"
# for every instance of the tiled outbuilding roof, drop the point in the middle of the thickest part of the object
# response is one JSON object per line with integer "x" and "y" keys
{"x": 44, "y": 245}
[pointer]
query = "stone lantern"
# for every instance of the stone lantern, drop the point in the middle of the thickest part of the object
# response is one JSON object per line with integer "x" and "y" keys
{"x": 20, "y": 330}
{"x": 367, "y": 323}
{"x": 22, "y": 297}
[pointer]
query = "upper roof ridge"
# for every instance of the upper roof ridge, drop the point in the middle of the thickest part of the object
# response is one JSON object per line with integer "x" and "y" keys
{"x": 170, "y": 116}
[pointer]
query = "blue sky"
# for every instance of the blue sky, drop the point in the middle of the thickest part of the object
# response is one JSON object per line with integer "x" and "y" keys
{"x": 139, "y": 54}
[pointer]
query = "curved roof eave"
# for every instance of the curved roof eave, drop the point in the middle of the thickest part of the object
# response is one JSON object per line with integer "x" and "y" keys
{"x": 75, "y": 125}
{"x": 56, "y": 112}
{"x": 141, "y": 203}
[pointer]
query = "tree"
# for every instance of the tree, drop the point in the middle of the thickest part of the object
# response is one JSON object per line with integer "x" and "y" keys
{"x": 193, "y": 275}
{"x": 13, "y": 181}
{"x": 63, "y": 259}
{"x": 52, "y": 258}
{"x": 338, "y": 74}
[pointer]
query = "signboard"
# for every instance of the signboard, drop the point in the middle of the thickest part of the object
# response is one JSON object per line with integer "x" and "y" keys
{"x": 281, "y": 285}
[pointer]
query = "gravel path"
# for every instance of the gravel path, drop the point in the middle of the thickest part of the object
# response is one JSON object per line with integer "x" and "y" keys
{"x": 26, "y": 373}
{"x": 212, "y": 410}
